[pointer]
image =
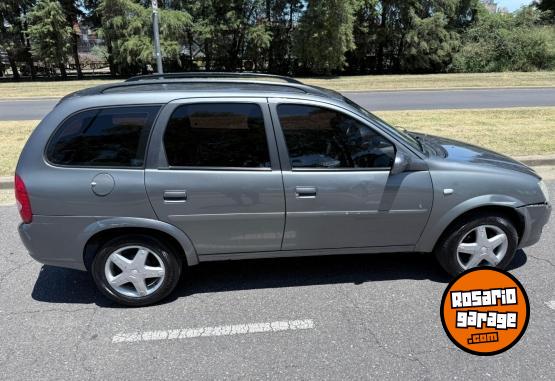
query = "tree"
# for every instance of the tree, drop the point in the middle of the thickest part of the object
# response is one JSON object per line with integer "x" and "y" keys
{"x": 50, "y": 34}
{"x": 229, "y": 28}
{"x": 13, "y": 37}
{"x": 429, "y": 46}
{"x": 547, "y": 6}
{"x": 325, "y": 34}
{"x": 127, "y": 31}
{"x": 367, "y": 19}
{"x": 73, "y": 12}
{"x": 281, "y": 17}
{"x": 515, "y": 42}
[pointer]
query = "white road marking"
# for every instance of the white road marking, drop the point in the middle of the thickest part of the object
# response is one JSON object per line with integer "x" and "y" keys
{"x": 223, "y": 330}
{"x": 551, "y": 304}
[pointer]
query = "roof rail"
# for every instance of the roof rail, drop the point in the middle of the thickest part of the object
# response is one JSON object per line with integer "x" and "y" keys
{"x": 213, "y": 74}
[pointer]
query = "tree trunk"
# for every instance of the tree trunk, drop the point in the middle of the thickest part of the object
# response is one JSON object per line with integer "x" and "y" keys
{"x": 207, "y": 58}
{"x": 400, "y": 53}
{"x": 271, "y": 47}
{"x": 27, "y": 42}
{"x": 111, "y": 64}
{"x": 191, "y": 53}
{"x": 381, "y": 45}
{"x": 76, "y": 55}
{"x": 63, "y": 71}
{"x": 15, "y": 71}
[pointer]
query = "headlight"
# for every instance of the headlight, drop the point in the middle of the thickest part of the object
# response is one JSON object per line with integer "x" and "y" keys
{"x": 544, "y": 190}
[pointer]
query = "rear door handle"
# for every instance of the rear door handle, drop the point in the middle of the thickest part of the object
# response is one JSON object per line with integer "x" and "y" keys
{"x": 175, "y": 196}
{"x": 305, "y": 192}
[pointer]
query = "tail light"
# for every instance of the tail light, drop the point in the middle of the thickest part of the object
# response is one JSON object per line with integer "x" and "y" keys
{"x": 23, "y": 202}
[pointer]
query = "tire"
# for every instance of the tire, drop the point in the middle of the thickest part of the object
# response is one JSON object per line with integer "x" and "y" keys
{"x": 464, "y": 232}
{"x": 159, "y": 271}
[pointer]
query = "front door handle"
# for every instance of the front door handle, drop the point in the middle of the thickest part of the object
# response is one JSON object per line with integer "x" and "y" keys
{"x": 175, "y": 196}
{"x": 305, "y": 192}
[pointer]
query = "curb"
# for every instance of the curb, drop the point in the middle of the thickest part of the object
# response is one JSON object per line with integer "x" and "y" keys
{"x": 538, "y": 160}
{"x": 6, "y": 182}
{"x": 532, "y": 161}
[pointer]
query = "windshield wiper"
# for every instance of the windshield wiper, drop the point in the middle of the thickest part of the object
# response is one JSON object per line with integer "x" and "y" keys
{"x": 416, "y": 138}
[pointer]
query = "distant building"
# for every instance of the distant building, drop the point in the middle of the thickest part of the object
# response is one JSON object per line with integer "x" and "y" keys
{"x": 490, "y": 5}
{"x": 88, "y": 38}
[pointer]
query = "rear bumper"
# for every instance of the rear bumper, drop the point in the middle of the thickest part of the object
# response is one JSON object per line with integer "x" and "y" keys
{"x": 56, "y": 241}
{"x": 535, "y": 217}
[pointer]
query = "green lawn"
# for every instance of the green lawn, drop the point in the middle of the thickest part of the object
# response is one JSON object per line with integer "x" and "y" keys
{"x": 514, "y": 131}
{"x": 45, "y": 89}
{"x": 13, "y": 136}
{"x": 14, "y": 90}
{"x": 436, "y": 81}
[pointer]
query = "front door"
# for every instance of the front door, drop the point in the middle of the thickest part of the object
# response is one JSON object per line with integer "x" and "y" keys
{"x": 214, "y": 173}
{"x": 338, "y": 189}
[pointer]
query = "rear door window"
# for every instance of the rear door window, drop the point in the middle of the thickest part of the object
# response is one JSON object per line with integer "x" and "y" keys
{"x": 107, "y": 137}
{"x": 217, "y": 135}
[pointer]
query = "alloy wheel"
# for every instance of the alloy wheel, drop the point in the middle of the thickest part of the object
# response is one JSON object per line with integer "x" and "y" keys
{"x": 134, "y": 271}
{"x": 485, "y": 245}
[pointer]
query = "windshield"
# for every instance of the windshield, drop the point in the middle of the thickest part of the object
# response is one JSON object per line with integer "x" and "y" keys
{"x": 374, "y": 119}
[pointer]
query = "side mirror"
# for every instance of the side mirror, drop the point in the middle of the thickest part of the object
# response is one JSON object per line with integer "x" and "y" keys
{"x": 400, "y": 164}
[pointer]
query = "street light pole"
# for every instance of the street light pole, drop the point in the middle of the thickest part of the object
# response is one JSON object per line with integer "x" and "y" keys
{"x": 157, "y": 51}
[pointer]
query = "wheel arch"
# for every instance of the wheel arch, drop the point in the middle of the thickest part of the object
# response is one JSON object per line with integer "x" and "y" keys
{"x": 505, "y": 211}
{"x": 104, "y": 230}
{"x": 509, "y": 209}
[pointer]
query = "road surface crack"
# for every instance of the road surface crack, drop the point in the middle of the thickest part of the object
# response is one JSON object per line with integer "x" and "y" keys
{"x": 541, "y": 259}
{"x": 410, "y": 357}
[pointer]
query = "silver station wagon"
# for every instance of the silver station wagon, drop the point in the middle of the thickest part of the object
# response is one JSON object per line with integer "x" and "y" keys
{"x": 133, "y": 181}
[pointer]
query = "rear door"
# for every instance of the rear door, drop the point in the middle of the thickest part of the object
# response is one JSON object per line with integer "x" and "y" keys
{"x": 338, "y": 188}
{"x": 213, "y": 171}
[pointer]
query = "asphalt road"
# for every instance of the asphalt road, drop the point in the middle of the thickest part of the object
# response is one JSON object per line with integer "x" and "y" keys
{"x": 374, "y": 316}
{"x": 373, "y": 101}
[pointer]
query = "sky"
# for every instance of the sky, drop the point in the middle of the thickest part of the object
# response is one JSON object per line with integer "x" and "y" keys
{"x": 513, "y": 4}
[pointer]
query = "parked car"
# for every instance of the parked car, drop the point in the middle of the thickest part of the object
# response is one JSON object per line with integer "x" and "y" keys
{"x": 132, "y": 181}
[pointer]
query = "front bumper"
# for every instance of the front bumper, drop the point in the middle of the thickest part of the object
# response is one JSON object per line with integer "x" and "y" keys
{"x": 536, "y": 217}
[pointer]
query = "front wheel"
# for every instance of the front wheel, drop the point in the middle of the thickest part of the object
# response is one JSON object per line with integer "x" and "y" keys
{"x": 136, "y": 270}
{"x": 480, "y": 240}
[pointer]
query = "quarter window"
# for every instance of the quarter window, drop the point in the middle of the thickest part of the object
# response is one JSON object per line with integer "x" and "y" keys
{"x": 219, "y": 135}
{"x": 317, "y": 137}
{"x": 108, "y": 137}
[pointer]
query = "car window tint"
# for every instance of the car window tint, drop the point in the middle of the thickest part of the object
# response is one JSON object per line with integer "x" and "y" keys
{"x": 217, "y": 135}
{"x": 108, "y": 137}
{"x": 317, "y": 137}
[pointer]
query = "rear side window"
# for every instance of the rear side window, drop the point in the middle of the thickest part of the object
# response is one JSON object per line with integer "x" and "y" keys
{"x": 228, "y": 135}
{"x": 107, "y": 137}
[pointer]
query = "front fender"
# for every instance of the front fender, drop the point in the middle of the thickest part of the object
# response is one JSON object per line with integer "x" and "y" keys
{"x": 443, "y": 215}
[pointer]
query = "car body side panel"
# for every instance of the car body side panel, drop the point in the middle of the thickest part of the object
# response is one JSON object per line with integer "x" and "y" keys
{"x": 226, "y": 210}
{"x": 352, "y": 208}
{"x": 356, "y": 209}
{"x": 67, "y": 191}
{"x": 60, "y": 240}
{"x": 103, "y": 224}
{"x": 459, "y": 189}
{"x": 56, "y": 240}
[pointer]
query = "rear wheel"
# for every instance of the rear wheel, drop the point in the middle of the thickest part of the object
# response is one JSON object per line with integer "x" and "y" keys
{"x": 480, "y": 240}
{"x": 136, "y": 270}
